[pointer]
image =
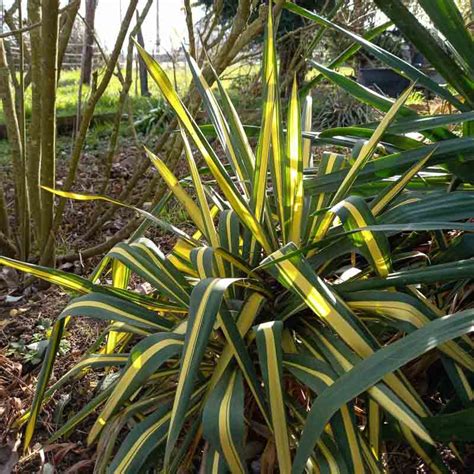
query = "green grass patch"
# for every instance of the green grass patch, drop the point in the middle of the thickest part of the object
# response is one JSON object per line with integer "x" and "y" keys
{"x": 68, "y": 93}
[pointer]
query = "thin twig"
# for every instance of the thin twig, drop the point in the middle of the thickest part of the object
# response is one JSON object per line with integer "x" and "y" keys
{"x": 96, "y": 40}
{"x": 189, "y": 25}
{"x": 20, "y": 30}
{"x": 7, "y": 246}
{"x": 25, "y": 29}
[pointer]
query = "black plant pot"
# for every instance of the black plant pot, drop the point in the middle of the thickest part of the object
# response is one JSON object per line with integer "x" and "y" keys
{"x": 383, "y": 80}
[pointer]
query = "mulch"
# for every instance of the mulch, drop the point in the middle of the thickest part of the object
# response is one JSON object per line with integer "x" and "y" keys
{"x": 18, "y": 379}
{"x": 21, "y": 310}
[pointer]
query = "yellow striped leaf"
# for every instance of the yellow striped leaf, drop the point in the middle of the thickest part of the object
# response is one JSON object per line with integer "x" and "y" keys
{"x": 355, "y": 214}
{"x": 223, "y": 420}
{"x": 207, "y": 217}
{"x": 270, "y": 356}
{"x": 145, "y": 359}
{"x": 296, "y": 274}
{"x": 145, "y": 259}
{"x": 179, "y": 192}
{"x": 294, "y": 182}
{"x": 392, "y": 191}
{"x": 120, "y": 279}
{"x": 205, "y": 303}
{"x": 97, "y": 197}
{"x": 145, "y": 437}
{"x": 363, "y": 157}
{"x": 226, "y": 185}
{"x": 220, "y": 124}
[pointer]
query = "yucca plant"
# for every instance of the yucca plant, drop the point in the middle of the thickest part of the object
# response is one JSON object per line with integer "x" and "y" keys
{"x": 447, "y": 45}
{"x": 277, "y": 332}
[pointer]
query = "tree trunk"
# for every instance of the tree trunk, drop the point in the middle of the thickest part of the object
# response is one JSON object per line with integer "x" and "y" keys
{"x": 4, "y": 223}
{"x": 87, "y": 117}
{"x": 14, "y": 137}
{"x": 25, "y": 237}
{"x": 66, "y": 24}
{"x": 13, "y": 76}
{"x": 88, "y": 50}
{"x": 144, "y": 92}
{"x": 65, "y": 30}
{"x": 49, "y": 57}
{"x": 34, "y": 145}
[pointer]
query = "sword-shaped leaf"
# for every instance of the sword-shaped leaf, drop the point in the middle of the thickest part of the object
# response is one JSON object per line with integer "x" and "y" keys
{"x": 146, "y": 260}
{"x": 393, "y": 190}
{"x": 205, "y": 302}
{"x": 147, "y": 215}
{"x": 446, "y": 64}
{"x": 177, "y": 189}
{"x": 111, "y": 308}
{"x": 145, "y": 437}
{"x": 347, "y": 54}
{"x": 207, "y": 216}
{"x": 430, "y": 274}
{"x": 355, "y": 214}
{"x": 222, "y": 128}
{"x": 271, "y": 363}
{"x": 145, "y": 359}
{"x": 294, "y": 182}
{"x": 330, "y": 163}
{"x": 374, "y": 368}
{"x": 399, "y": 65}
{"x": 217, "y": 169}
{"x": 223, "y": 419}
{"x": 297, "y": 275}
{"x": 68, "y": 281}
{"x": 120, "y": 279}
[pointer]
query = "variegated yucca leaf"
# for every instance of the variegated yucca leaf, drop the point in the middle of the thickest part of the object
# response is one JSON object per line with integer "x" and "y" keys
{"x": 373, "y": 368}
{"x": 120, "y": 279}
{"x": 223, "y": 420}
{"x": 145, "y": 359}
{"x": 321, "y": 262}
{"x": 271, "y": 361}
{"x": 205, "y": 303}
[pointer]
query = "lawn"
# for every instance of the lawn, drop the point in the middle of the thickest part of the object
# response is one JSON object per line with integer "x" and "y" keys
{"x": 68, "y": 90}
